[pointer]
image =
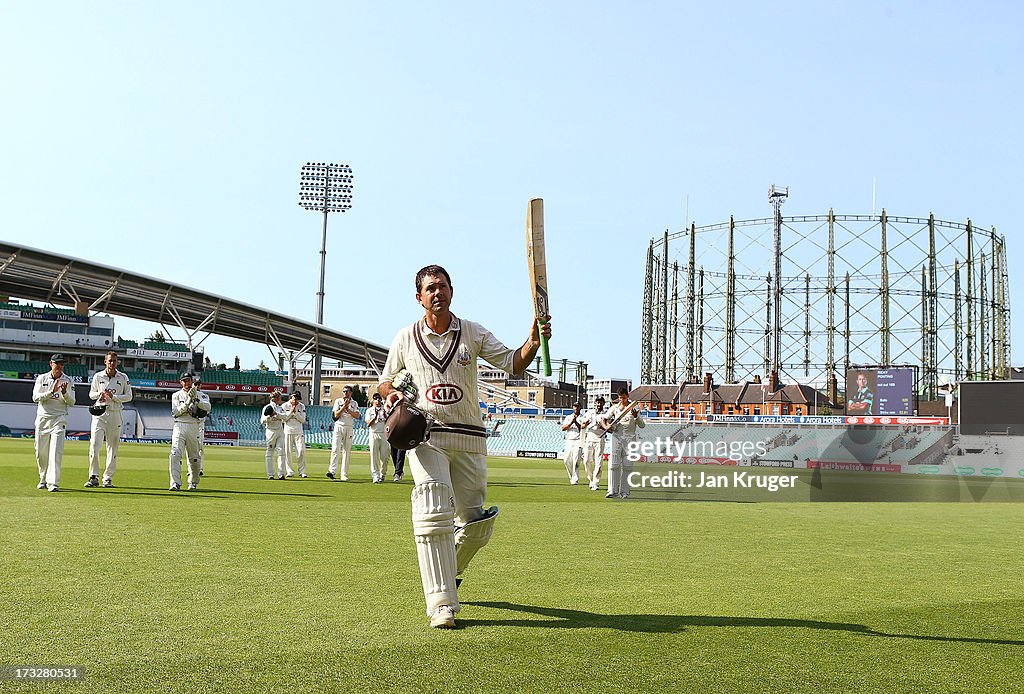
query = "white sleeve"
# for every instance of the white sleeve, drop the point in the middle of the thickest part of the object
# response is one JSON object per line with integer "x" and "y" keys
{"x": 38, "y": 392}
{"x": 127, "y": 395}
{"x": 494, "y": 352}
{"x": 94, "y": 388}
{"x": 178, "y": 405}
{"x": 69, "y": 397}
{"x": 396, "y": 360}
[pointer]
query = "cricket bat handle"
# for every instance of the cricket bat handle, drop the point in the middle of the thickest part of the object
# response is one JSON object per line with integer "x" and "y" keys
{"x": 544, "y": 351}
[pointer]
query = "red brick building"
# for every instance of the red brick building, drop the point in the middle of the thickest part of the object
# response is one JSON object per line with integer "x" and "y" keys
{"x": 744, "y": 398}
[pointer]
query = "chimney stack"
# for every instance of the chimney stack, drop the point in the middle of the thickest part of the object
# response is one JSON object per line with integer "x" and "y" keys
{"x": 707, "y": 383}
{"x": 773, "y": 381}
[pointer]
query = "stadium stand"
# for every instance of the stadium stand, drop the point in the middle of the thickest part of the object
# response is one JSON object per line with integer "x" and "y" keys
{"x": 512, "y": 435}
{"x": 254, "y": 377}
{"x": 155, "y": 417}
{"x": 38, "y": 367}
{"x": 26, "y": 308}
{"x": 154, "y": 345}
{"x": 138, "y": 376}
{"x": 245, "y": 421}
{"x": 861, "y": 445}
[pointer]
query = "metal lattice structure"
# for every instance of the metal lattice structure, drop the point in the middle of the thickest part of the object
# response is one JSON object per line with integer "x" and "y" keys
{"x": 807, "y": 296}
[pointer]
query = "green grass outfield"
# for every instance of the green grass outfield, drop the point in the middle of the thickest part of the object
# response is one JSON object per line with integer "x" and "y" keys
{"x": 312, "y": 585}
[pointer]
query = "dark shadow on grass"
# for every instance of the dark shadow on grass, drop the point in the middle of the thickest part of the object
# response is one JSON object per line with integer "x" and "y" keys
{"x": 208, "y": 492}
{"x": 295, "y": 478}
{"x": 524, "y": 484}
{"x": 667, "y": 624}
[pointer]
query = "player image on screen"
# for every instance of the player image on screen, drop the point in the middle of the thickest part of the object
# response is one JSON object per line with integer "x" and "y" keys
{"x": 860, "y": 394}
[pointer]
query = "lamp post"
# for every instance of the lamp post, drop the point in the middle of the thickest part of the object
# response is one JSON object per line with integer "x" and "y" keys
{"x": 323, "y": 188}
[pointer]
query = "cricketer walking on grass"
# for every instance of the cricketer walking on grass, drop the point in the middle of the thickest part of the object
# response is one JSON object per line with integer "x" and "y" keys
{"x": 54, "y": 394}
{"x": 622, "y": 422}
{"x": 189, "y": 406}
{"x": 272, "y": 418}
{"x": 345, "y": 412}
{"x": 111, "y": 390}
{"x": 439, "y": 353}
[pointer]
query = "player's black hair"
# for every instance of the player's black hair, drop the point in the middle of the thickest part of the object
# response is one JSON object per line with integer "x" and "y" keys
{"x": 436, "y": 271}
{"x": 623, "y": 391}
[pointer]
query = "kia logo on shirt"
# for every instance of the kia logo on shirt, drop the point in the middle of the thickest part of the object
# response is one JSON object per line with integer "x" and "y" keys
{"x": 444, "y": 394}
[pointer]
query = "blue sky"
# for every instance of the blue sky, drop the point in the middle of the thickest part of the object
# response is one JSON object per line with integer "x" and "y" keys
{"x": 167, "y": 139}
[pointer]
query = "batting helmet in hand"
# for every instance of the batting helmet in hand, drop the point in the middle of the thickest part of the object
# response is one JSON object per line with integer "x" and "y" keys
{"x": 406, "y": 426}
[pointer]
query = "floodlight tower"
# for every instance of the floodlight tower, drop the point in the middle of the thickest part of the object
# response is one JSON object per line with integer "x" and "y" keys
{"x": 323, "y": 188}
{"x": 776, "y": 196}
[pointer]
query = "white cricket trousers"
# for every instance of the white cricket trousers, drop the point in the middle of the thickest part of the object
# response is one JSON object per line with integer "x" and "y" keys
{"x": 275, "y": 453}
{"x": 619, "y": 466}
{"x": 593, "y": 453}
{"x": 105, "y": 433}
{"x": 185, "y": 442}
{"x": 50, "y": 434}
{"x": 465, "y": 474}
{"x": 341, "y": 447}
{"x": 295, "y": 452}
{"x": 573, "y": 456}
{"x": 380, "y": 454}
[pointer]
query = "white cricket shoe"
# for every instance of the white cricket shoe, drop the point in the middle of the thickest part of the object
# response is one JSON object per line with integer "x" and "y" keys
{"x": 175, "y": 488}
{"x": 41, "y": 485}
{"x": 54, "y": 488}
{"x": 192, "y": 486}
{"x": 443, "y": 618}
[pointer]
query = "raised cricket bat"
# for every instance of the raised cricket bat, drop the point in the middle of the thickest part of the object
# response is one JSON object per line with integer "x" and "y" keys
{"x": 538, "y": 270}
{"x": 632, "y": 406}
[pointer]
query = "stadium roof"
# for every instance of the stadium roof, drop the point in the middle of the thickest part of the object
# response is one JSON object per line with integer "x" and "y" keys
{"x": 37, "y": 275}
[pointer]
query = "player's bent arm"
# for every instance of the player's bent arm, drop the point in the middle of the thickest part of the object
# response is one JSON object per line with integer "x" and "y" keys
{"x": 39, "y": 394}
{"x": 95, "y": 391}
{"x": 524, "y": 355}
{"x": 389, "y": 393}
{"x": 126, "y": 396}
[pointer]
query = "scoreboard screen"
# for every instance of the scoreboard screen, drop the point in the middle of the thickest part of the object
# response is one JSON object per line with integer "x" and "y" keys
{"x": 991, "y": 407}
{"x": 880, "y": 392}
